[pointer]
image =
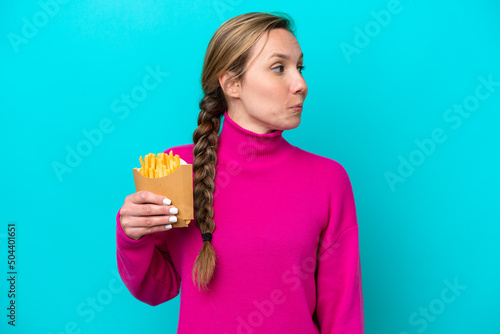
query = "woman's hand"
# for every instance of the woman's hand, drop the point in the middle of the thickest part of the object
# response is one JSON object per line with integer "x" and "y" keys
{"x": 144, "y": 212}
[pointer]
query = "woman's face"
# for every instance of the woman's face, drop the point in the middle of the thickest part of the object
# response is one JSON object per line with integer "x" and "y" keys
{"x": 262, "y": 102}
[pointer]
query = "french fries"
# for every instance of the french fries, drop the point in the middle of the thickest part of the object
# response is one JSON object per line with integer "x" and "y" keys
{"x": 153, "y": 166}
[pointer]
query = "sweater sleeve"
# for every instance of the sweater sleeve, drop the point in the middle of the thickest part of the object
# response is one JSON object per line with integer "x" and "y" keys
{"x": 339, "y": 307}
{"x": 146, "y": 267}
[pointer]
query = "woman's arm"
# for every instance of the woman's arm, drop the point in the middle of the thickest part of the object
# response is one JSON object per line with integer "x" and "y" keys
{"x": 145, "y": 267}
{"x": 339, "y": 306}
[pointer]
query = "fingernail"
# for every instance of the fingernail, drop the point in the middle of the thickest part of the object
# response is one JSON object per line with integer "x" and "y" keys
{"x": 168, "y": 227}
{"x": 166, "y": 201}
{"x": 173, "y": 219}
{"x": 174, "y": 211}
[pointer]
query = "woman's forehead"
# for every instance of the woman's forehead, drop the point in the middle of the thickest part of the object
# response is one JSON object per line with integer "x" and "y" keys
{"x": 281, "y": 43}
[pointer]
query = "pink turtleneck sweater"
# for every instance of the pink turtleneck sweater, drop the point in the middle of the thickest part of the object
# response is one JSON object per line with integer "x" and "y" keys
{"x": 286, "y": 241}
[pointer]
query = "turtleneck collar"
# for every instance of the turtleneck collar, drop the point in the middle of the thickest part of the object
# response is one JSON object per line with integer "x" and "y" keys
{"x": 248, "y": 148}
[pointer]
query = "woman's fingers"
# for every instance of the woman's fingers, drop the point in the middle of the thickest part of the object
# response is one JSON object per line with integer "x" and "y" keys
{"x": 148, "y": 221}
{"x": 137, "y": 233}
{"x": 145, "y": 212}
{"x": 145, "y": 203}
{"x": 142, "y": 210}
{"x": 142, "y": 197}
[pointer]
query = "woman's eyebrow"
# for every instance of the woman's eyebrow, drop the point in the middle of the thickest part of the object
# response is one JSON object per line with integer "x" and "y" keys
{"x": 284, "y": 56}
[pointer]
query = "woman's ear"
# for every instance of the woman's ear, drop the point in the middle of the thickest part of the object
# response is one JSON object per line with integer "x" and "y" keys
{"x": 230, "y": 87}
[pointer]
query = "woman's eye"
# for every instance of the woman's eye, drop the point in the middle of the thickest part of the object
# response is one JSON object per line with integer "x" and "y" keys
{"x": 280, "y": 66}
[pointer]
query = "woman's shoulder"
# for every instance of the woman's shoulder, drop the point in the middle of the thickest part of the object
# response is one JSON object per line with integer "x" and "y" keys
{"x": 323, "y": 165}
{"x": 185, "y": 152}
{"x": 320, "y": 160}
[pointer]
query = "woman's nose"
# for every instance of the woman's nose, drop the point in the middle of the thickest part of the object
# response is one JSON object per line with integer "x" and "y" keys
{"x": 299, "y": 84}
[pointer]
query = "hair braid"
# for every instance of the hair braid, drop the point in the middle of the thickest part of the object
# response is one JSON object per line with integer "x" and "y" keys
{"x": 205, "y": 160}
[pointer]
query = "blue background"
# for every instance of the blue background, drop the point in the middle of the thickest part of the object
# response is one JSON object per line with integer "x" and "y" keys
{"x": 367, "y": 109}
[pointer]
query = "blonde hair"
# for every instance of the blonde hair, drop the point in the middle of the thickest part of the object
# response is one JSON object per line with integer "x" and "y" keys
{"x": 228, "y": 50}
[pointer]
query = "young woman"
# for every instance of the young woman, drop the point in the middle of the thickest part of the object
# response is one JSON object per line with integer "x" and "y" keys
{"x": 276, "y": 225}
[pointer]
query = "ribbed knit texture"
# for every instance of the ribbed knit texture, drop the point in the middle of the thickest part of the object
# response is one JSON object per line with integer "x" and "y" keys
{"x": 286, "y": 241}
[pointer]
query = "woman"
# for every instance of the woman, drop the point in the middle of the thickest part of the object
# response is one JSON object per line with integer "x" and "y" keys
{"x": 284, "y": 257}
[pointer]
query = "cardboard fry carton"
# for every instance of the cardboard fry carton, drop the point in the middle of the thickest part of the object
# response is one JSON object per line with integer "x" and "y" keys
{"x": 177, "y": 186}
